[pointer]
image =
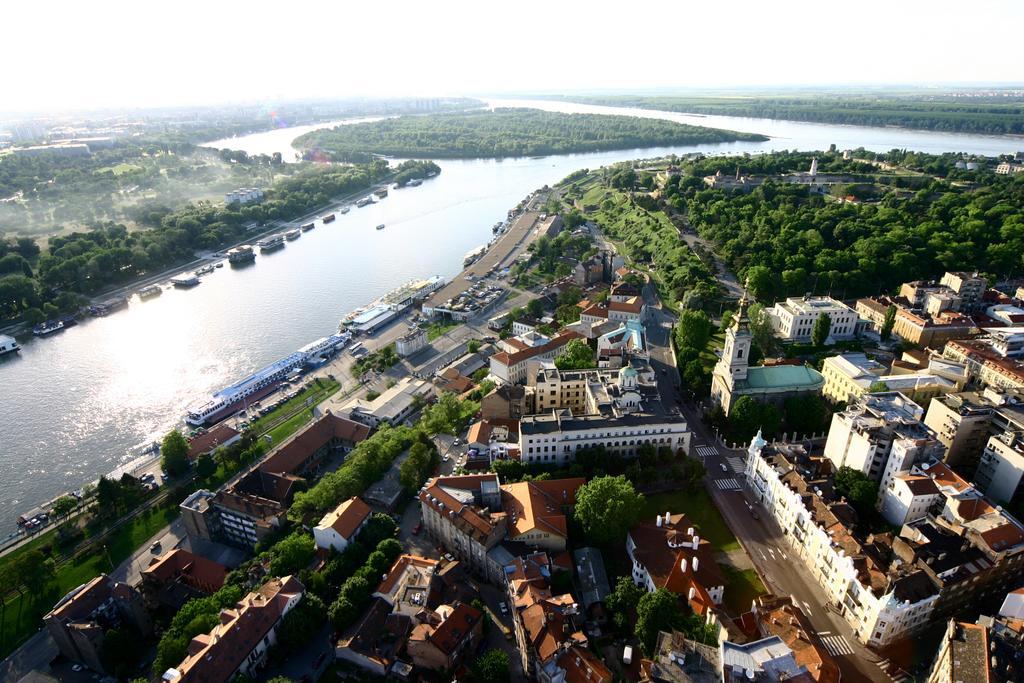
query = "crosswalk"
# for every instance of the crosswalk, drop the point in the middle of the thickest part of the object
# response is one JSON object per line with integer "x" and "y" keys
{"x": 706, "y": 451}
{"x": 729, "y": 484}
{"x": 899, "y": 677}
{"x": 837, "y": 645}
{"x": 735, "y": 463}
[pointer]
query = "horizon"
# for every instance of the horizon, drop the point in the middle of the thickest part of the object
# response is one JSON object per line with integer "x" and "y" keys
{"x": 106, "y": 58}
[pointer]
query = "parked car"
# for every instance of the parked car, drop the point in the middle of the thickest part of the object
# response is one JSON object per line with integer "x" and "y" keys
{"x": 155, "y": 548}
{"x": 724, "y": 468}
{"x": 456, "y": 443}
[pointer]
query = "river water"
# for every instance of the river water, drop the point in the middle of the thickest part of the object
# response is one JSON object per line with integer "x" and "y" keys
{"x": 76, "y": 403}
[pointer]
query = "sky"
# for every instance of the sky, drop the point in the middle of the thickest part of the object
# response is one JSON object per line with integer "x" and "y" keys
{"x": 67, "y": 54}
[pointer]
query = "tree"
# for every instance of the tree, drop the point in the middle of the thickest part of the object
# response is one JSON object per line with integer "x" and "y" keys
{"x": 621, "y": 603}
{"x": 473, "y": 345}
{"x": 657, "y": 611}
{"x": 887, "y": 323}
{"x": 807, "y": 414}
{"x": 693, "y": 330}
{"x": 492, "y": 667}
{"x": 748, "y": 415}
{"x": 174, "y": 453}
{"x": 822, "y": 326}
{"x": 64, "y": 506}
{"x": 291, "y": 554}
{"x": 606, "y": 507}
{"x": 860, "y": 491}
{"x": 761, "y": 282}
{"x": 761, "y": 331}
{"x": 417, "y": 466}
{"x": 576, "y": 355}
{"x": 342, "y": 613}
{"x": 535, "y": 308}
{"x": 205, "y": 466}
{"x": 877, "y": 387}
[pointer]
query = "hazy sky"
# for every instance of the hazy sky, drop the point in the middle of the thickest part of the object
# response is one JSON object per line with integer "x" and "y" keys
{"x": 109, "y": 52}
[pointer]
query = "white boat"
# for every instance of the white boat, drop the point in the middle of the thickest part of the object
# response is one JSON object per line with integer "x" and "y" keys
{"x": 8, "y": 345}
{"x": 380, "y": 227}
{"x": 272, "y": 242}
{"x": 293, "y": 234}
{"x": 345, "y": 209}
{"x": 185, "y": 280}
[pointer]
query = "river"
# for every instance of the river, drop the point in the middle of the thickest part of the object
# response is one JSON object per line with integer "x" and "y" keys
{"x": 74, "y": 404}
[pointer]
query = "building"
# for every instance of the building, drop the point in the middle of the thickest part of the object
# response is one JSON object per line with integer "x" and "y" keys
{"x": 80, "y": 620}
{"x": 511, "y": 367}
{"x": 964, "y": 421}
{"x": 177, "y": 576}
{"x": 851, "y": 375}
{"x": 302, "y": 454}
{"x": 779, "y": 617}
{"x": 218, "y": 437}
{"x": 238, "y": 645}
{"x": 909, "y": 497}
{"x": 881, "y": 435}
{"x": 970, "y": 287}
{"x": 677, "y": 659}
{"x": 340, "y": 526}
{"x": 244, "y": 195}
{"x": 794, "y": 319}
{"x": 993, "y": 360}
{"x": 408, "y": 585}
{"x": 444, "y": 640}
{"x": 733, "y": 377}
{"x": 494, "y": 438}
{"x": 394, "y": 406}
{"x": 593, "y": 581}
{"x": 669, "y": 553}
{"x": 412, "y": 342}
{"x": 1001, "y": 467}
{"x": 472, "y": 515}
{"x": 616, "y": 347}
{"x": 963, "y": 655}
{"x": 923, "y": 315}
{"x": 621, "y": 310}
{"x": 506, "y": 401}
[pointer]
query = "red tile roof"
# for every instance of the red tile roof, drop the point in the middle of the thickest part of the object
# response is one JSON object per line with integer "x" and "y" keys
{"x": 211, "y": 440}
{"x": 347, "y": 517}
{"x": 457, "y": 628}
{"x": 292, "y": 455}
{"x": 538, "y": 505}
{"x": 560, "y": 340}
{"x": 194, "y": 570}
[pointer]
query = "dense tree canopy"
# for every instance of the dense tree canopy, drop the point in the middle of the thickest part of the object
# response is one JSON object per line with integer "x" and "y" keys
{"x": 606, "y": 507}
{"x": 576, "y": 355}
{"x": 505, "y": 133}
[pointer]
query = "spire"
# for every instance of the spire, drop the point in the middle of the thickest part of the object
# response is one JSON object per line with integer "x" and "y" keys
{"x": 741, "y": 321}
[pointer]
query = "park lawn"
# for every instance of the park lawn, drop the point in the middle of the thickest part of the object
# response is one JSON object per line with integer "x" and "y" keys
{"x": 741, "y": 587}
{"x": 698, "y": 507}
{"x": 21, "y": 616}
{"x": 318, "y": 391}
{"x": 290, "y": 426}
{"x": 438, "y": 329}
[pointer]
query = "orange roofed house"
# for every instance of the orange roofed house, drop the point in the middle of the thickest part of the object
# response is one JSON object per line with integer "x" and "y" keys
{"x": 178, "y": 576}
{"x": 471, "y": 515}
{"x": 340, "y": 526}
{"x": 238, "y": 645}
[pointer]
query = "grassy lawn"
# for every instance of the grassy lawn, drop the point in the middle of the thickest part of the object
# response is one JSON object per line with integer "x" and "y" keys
{"x": 21, "y": 614}
{"x": 290, "y": 426}
{"x": 741, "y": 587}
{"x": 698, "y": 507}
{"x": 440, "y": 328}
{"x": 315, "y": 393}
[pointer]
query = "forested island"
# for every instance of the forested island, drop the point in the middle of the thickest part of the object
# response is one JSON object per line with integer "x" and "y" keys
{"x": 902, "y": 216}
{"x": 980, "y": 114}
{"x": 503, "y": 133}
{"x": 39, "y": 284}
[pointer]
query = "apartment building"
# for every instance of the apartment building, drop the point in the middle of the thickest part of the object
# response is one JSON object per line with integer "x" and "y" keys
{"x": 964, "y": 421}
{"x": 994, "y": 360}
{"x": 880, "y": 435}
{"x": 1001, "y": 467}
{"x": 970, "y": 287}
{"x": 928, "y": 323}
{"x": 793, "y": 319}
{"x": 669, "y": 553}
{"x": 510, "y": 367}
{"x": 849, "y": 376}
{"x": 239, "y": 643}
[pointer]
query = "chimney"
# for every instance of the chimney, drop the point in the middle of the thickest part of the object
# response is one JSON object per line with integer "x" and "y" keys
{"x": 689, "y": 531}
{"x": 691, "y": 593}
{"x": 668, "y": 518}
{"x": 696, "y": 542}
{"x": 659, "y": 520}
{"x": 682, "y": 564}
{"x": 696, "y": 563}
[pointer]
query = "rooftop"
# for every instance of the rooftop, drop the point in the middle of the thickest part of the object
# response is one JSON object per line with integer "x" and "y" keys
{"x": 346, "y": 518}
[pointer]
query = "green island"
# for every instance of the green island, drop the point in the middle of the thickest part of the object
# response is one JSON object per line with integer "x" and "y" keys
{"x": 504, "y": 133}
{"x": 989, "y": 115}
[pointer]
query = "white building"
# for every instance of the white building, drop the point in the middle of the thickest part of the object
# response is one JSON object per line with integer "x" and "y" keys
{"x": 907, "y": 498}
{"x": 881, "y": 607}
{"x": 1001, "y": 467}
{"x": 340, "y": 527}
{"x": 244, "y": 195}
{"x": 510, "y": 367}
{"x": 849, "y": 376}
{"x": 794, "y": 318}
{"x": 394, "y": 406}
{"x": 881, "y": 435}
{"x": 412, "y": 342}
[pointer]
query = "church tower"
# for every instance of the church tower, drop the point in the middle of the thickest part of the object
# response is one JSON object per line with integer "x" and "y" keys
{"x": 733, "y": 364}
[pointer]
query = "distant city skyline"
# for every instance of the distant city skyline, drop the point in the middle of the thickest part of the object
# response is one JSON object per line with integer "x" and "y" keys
{"x": 118, "y": 54}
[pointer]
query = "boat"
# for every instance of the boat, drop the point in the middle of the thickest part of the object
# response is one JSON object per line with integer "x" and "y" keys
{"x": 271, "y": 243}
{"x": 185, "y": 280}
{"x": 381, "y": 193}
{"x": 329, "y": 217}
{"x": 415, "y": 182}
{"x": 150, "y": 291}
{"x": 108, "y": 307}
{"x": 218, "y": 264}
{"x": 243, "y": 253}
{"x": 365, "y": 201}
{"x": 205, "y": 270}
{"x": 473, "y": 254}
{"x": 8, "y": 345}
{"x": 293, "y": 234}
{"x": 227, "y": 401}
{"x": 69, "y": 320}
{"x": 377, "y": 313}
{"x": 47, "y": 328}
{"x": 308, "y": 226}
{"x": 345, "y": 209}
{"x": 380, "y": 227}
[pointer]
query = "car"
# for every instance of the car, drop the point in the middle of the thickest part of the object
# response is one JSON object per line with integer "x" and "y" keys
{"x": 446, "y": 458}
{"x": 449, "y": 557}
{"x": 456, "y": 443}
{"x": 503, "y": 607}
{"x": 416, "y": 529}
{"x": 724, "y": 468}
{"x": 155, "y": 548}
{"x": 77, "y": 667}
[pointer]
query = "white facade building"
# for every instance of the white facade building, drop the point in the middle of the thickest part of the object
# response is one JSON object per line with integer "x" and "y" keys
{"x": 1001, "y": 467}
{"x": 794, "y": 318}
{"x": 340, "y": 527}
{"x": 412, "y": 342}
